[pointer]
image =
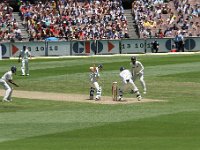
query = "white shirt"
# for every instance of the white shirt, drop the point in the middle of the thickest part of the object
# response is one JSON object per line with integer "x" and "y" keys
{"x": 125, "y": 75}
{"x": 137, "y": 67}
{"x": 17, "y": 31}
{"x": 7, "y": 76}
{"x": 25, "y": 54}
{"x": 95, "y": 75}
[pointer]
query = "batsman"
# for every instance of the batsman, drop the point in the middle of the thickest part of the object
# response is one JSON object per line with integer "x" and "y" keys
{"x": 94, "y": 77}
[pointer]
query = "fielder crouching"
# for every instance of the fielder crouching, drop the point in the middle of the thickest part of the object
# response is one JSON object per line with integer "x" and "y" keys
{"x": 94, "y": 76}
{"x": 5, "y": 80}
{"x": 126, "y": 76}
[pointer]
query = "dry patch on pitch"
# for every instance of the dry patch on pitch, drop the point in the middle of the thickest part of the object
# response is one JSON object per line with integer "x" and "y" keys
{"x": 74, "y": 97}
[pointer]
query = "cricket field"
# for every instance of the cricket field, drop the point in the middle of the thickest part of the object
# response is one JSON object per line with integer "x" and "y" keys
{"x": 51, "y": 111}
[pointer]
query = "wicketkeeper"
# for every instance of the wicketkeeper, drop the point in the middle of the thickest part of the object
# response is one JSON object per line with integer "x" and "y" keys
{"x": 126, "y": 77}
{"x": 94, "y": 77}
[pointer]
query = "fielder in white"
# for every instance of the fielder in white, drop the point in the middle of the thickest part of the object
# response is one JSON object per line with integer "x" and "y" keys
{"x": 126, "y": 77}
{"x": 5, "y": 80}
{"x": 24, "y": 54}
{"x": 137, "y": 70}
{"x": 94, "y": 76}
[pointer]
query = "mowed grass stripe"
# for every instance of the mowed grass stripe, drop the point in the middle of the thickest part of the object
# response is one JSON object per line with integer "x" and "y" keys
{"x": 141, "y": 134}
{"x": 38, "y": 129}
{"x": 65, "y": 62}
{"x": 161, "y": 70}
{"x": 183, "y": 77}
{"x": 98, "y": 115}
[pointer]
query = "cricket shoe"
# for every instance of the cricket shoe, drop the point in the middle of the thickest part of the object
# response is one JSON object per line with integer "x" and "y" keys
{"x": 10, "y": 100}
{"x": 5, "y": 100}
{"x": 98, "y": 98}
{"x": 139, "y": 97}
{"x": 119, "y": 98}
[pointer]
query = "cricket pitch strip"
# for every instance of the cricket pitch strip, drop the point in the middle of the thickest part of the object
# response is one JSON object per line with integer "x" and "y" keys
{"x": 74, "y": 97}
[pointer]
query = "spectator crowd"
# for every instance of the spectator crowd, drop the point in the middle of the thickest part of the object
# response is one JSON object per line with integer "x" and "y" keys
{"x": 166, "y": 18}
{"x": 99, "y": 19}
{"x": 72, "y": 19}
{"x": 8, "y": 25}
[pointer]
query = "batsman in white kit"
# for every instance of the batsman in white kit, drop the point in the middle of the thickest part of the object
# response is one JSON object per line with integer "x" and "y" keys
{"x": 126, "y": 77}
{"x": 137, "y": 70}
{"x": 24, "y": 54}
{"x": 94, "y": 76}
{"x": 5, "y": 80}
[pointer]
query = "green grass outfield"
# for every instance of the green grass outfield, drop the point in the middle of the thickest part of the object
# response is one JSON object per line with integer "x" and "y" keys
{"x": 57, "y": 125}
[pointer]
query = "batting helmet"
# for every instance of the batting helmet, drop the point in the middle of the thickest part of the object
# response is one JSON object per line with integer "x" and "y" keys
{"x": 100, "y": 66}
{"x": 13, "y": 69}
{"x": 121, "y": 68}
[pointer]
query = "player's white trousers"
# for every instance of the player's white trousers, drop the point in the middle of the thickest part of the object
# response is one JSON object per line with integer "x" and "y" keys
{"x": 8, "y": 89}
{"x": 25, "y": 67}
{"x": 141, "y": 78}
{"x": 125, "y": 83}
{"x": 97, "y": 87}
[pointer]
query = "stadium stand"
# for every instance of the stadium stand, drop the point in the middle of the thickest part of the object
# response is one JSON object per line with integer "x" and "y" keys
{"x": 8, "y": 25}
{"x": 163, "y": 18}
{"x": 72, "y": 19}
{"x": 98, "y": 19}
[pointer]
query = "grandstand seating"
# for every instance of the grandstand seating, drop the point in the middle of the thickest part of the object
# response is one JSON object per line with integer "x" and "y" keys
{"x": 100, "y": 19}
{"x": 8, "y": 26}
{"x": 75, "y": 20}
{"x": 162, "y": 18}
